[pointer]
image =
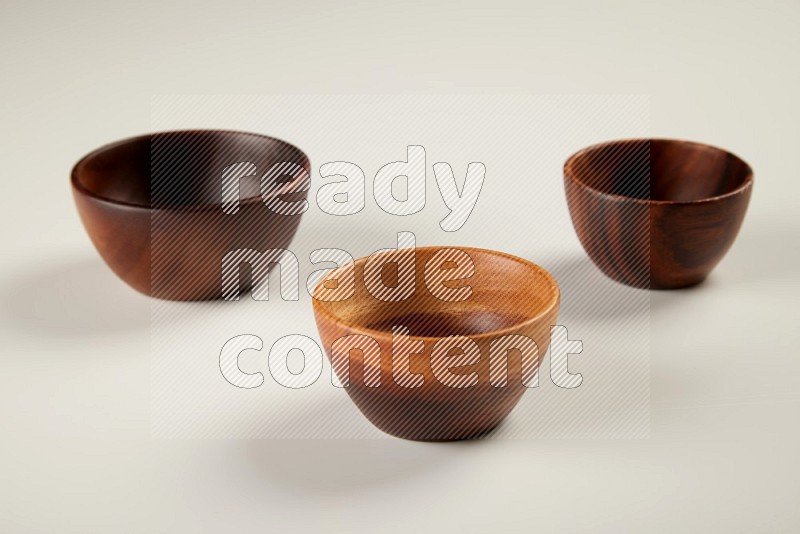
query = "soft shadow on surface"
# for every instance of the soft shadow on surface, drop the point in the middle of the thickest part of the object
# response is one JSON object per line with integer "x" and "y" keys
{"x": 684, "y": 296}
{"x": 757, "y": 258}
{"x": 342, "y": 452}
{"x": 347, "y": 465}
{"x": 763, "y": 254}
{"x": 587, "y": 294}
{"x": 69, "y": 299}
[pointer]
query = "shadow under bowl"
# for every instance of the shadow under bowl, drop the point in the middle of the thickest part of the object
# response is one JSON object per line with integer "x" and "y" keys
{"x": 164, "y": 209}
{"x": 436, "y": 344}
{"x": 657, "y": 213}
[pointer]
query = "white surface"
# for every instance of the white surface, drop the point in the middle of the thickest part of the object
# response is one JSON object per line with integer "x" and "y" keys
{"x": 76, "y": 452}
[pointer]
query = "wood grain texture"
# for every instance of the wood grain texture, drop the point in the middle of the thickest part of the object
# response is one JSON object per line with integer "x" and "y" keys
{"x": 656, "y": 213}
{"x": 152, "y": 206}
{"x": 510, "y": 296}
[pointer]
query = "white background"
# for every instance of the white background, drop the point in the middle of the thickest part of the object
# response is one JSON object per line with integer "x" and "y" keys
{"x": 77, "y": 454}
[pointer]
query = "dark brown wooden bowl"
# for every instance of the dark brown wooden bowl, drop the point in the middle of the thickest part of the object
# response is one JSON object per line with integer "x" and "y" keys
{"x": 657, "y": 213}
{"x": 510, "y": 296}
{"x": 153, "y": 207}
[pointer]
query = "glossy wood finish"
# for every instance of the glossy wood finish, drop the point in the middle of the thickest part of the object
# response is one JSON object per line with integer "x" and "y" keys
{"x": 152, "y": 206}
{"x": 657, "y": 213}
{"x": 510, "y": 296}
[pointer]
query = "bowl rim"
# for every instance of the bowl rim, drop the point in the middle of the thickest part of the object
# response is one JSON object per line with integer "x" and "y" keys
{"x": 78, "y": 186}
{"x": 571, "y": 175}
{"x": 554, "y": 301}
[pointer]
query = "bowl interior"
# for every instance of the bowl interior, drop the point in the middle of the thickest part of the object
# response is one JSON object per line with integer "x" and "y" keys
{"x": 661, "y": 170}
{"x": 506, "y": 291}
{"x": 179, "y": 169}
